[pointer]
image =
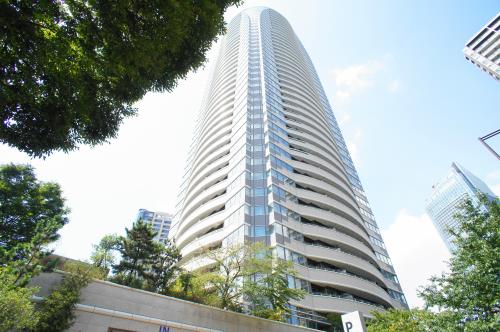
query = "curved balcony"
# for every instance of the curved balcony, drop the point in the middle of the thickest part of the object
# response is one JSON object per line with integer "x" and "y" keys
{"x": 204, "y": 196}
{"x": 221, "y": 127}
{"x": 196, "y": 263}
{"x": 328, "y": 203}
{"x": 324, "y": 186}
{"x": 295, "y": 109}
{"x": 200, "y": 227}
{"x": 218, "y": 147}
{"x": 201, "y": 243}
{"x": 334, "y": 237}
{"x": 345, "y": 282}
{"x": 331, "y": 219}
{"x": 322, "y": 175}
{"x": 215, "y": 171}
{"x": 340, "y": 259}
{"x": 306, "y": 130}
{"x": 336, "y": 304}
{"x": 311, "y": 140}
{"x": 200, "y": 212}
{"x": 320, "y": 162}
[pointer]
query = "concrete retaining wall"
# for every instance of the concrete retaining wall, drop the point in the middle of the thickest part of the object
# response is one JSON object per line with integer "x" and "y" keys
{"x": 105, "y": 305}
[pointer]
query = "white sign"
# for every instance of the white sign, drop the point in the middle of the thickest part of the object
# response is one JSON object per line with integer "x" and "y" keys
{"x": 353, "y": 322}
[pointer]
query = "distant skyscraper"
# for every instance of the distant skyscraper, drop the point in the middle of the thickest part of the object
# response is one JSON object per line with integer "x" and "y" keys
{"x": 160, "y": 222}
{"x": 483, "y": 49}
{"x": 268, "y": 163}
{"x": 448, "y": 194}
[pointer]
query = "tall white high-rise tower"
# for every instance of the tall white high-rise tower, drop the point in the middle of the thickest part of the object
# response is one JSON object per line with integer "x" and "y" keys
{"x": 268, "y": 163}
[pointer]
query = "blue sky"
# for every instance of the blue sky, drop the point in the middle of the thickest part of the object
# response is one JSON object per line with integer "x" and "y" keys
{"x": 405, "y": 139}
{"x": 407, "y": 101}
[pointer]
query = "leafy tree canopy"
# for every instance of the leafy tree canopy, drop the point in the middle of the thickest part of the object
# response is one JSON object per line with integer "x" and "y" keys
{"x": 31, "y": 214}
{"x": 70, "y": 70}
{"x": 163, "y": 269}
{"x": 230, "y": 266}
{"x": 472, "y": 287}
{"x": 56, "y": 312}
{"x": 136, "y": 250}
{"x": 414, "y": 320}
{"x": 17, "y": 311}
{"x": 468, "y": 297}
{"x": 245, "y": 273}
{"x": 145, "y": 263}
{"x": 268, "y": 290}
{"x": 103, "y": 254}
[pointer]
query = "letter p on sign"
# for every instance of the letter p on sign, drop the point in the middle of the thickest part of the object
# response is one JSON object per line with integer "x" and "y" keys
{"x": 353, "y": 322}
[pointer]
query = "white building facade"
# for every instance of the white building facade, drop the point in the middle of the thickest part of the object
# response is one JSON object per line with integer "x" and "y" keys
{"x": 483, "y": 49}
{"x": 269, "y": 163}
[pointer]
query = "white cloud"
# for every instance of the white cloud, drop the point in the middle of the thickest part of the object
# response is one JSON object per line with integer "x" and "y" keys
{"x": 354, "y": 79}
{"x": 496, "y": 189}
{"x": 494, "y": 176}
{"x": 394, "y": 86}
{"x": 344, "y": 118}
{"x": 494, "y": 181}
{"x": 353, "y": 146}
{"x": 417, "y": 252}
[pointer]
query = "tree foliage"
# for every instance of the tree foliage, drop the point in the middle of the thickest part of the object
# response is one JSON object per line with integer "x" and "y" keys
{"x": 244, "y": 274}
{"x": 56, "y": 312}
{"x": 103, "y": 254}
{"x": 468, "y": 297}
{"x": 267, "y": 289}
{"x": 145, "y": 263}
{"x": 230, "y": 265}
{"x": 191, "y": 286}
{"x": 17, "y": 311}
{"x": 71, "y": 70}
{"x": 136, "y": 250}
{"x": 31, "y": 214}
{"x": 414, "y": 320}
{"x": 163, "y": 268}
{"x": 472, "y": 287}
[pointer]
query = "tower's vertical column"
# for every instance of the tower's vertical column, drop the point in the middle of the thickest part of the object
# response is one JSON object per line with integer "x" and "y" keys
{"x": 237, "y": 207}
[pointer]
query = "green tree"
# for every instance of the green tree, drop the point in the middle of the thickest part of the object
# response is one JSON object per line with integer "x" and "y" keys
{"x": 336, "y": 322}
{"x": 137, "y": 249}
{"x": 414, "y": 320}
{"x": 230, "y": 266}
{"x": 163, "y": 267}
{"x": 71, "y": 70}
{"x": 192, "y": 286}
{"x": 248, "y": 272}
{"x": 267, "y": 289}
{"x": 17, "y": 311}
{"x": 472, "y": 288}
{"x": 145, "y": 263}
{"x": 469, "y": 295}
{"x": 103, "y": 254}
{"x": 31, "y": 214}
{"x": 56, "y": 312}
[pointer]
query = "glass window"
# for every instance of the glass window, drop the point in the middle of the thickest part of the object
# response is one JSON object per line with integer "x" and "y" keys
{"x": 259, "y": 210}
{"x": 281, "y": 252}
{"x": 258, "y": 192}
{"x": 259, "y": 231}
